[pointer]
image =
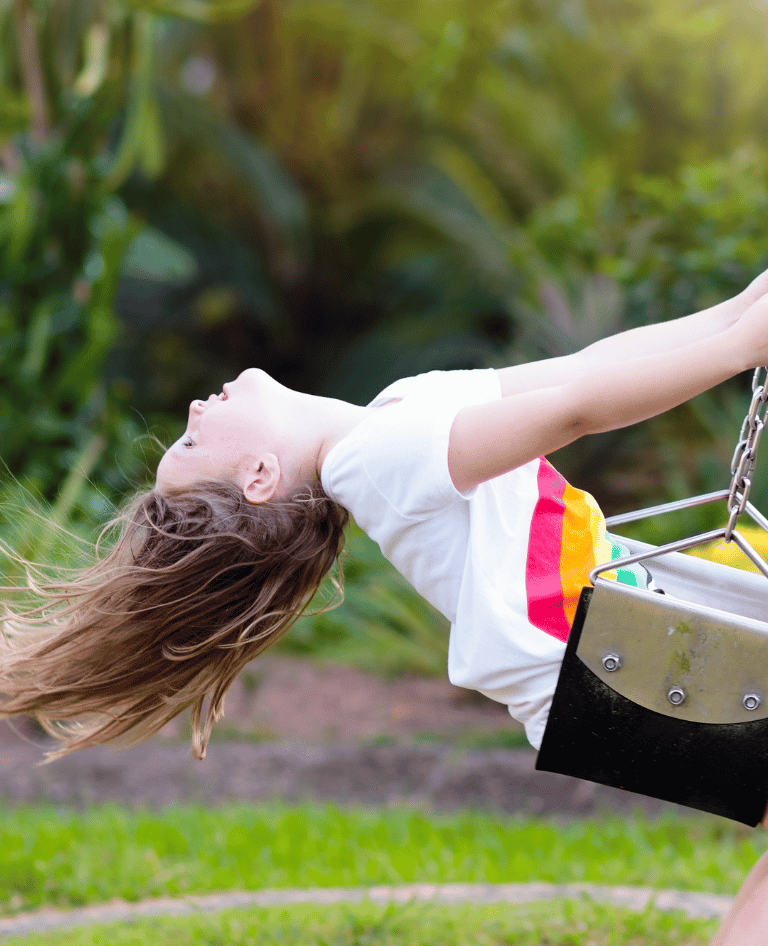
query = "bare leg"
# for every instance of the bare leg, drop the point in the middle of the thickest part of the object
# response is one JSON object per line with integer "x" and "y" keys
{"x": 747, "y": 922}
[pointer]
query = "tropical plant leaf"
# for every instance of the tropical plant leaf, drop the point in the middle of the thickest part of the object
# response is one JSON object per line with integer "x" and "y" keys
{"x": 256, "y": 167}
{"x": 155, "y": 256}
{"x": 95, "y": 61}
{"x": 352, "y": 21}
{"x": 428, "y": 197}
{"x": 199, "y": 11}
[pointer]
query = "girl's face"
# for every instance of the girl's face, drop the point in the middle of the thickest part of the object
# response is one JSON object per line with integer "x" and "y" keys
{"x": 230, "y": 431}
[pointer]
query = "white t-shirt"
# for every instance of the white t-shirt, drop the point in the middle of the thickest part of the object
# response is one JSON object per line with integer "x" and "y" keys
{"x": 486, "y": 559}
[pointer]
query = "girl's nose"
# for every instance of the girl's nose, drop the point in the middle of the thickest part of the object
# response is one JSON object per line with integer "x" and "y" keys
{"x": 197, "y": 406}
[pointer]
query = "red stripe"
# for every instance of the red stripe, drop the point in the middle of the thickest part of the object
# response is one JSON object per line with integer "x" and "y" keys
{"x": 542, "y": 577}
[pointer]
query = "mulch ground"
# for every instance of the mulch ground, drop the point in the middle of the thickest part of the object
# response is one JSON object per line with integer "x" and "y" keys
{"x": 320, "y": 732}
{"x": 435, "y": 777}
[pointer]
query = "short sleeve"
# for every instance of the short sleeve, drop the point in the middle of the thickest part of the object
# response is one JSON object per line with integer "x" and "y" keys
{"x": 399, "y": 454}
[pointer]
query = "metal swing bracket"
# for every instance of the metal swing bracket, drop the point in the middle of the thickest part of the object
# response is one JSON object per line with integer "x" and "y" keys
{"x": 676, "y": 658}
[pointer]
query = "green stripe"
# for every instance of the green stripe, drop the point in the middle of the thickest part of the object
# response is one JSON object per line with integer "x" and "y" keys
{"x": 635, "y": 575}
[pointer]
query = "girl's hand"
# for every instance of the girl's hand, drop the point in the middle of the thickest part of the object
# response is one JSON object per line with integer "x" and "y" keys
{"x": 754, "y": 291}
{"x": 751, "y": 331}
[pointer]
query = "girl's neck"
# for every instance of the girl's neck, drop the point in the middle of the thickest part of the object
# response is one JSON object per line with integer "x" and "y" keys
{"x": 341, "y": 417}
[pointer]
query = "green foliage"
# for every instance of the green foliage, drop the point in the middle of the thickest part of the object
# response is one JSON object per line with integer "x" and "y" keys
{"x": 406, "y": 187}
{"x": 674, "y": 243}
{"x": 348, "y": 192}
{"x": 64, "y": 235}
{"x": 59, "y": 277}
{"x": 62, "y": 242}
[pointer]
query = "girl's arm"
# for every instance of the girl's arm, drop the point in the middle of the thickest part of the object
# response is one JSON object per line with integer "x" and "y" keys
{"x": 645, "y": 340}
{"x": 607, "y": 393}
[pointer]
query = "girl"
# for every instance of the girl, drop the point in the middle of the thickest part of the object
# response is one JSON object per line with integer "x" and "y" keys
{"x": 445, "y": 471}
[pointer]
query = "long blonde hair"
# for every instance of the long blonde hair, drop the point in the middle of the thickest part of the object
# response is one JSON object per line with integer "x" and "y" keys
{"x": 198, "y": 582}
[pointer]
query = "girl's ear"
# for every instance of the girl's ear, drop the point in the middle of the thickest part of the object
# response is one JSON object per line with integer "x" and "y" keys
{"x": 262, "y": 478}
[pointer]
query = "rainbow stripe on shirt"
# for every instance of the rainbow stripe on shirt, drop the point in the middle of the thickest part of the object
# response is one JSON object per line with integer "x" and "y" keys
{"x": 567, "y": 539}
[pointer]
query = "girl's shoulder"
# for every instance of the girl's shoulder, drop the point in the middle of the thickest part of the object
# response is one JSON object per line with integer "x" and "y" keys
{"x": 474, "y": 383}
{"x": 401, "y": 452}
{"x": 395, "y": 391}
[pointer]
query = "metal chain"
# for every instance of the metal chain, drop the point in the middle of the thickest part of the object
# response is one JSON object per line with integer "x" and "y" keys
{"x": 745, "y": 456}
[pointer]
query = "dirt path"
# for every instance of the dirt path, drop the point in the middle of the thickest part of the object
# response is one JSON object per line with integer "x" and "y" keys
{"x": 699, "y": 905}
{"x": 322, "y": 732}
{"x": 434, "y": 777}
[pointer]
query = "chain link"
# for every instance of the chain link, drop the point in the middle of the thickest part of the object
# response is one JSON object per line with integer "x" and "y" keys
{"x": 745, "y": 456}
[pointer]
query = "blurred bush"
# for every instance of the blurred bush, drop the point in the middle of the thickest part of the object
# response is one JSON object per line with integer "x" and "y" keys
{"x": 58, "y": 277}
{"x": 371, "y": 190}
{"x": 347, "y": 191}
{"x": 77, "y": 116}
{"x": 730, "y": 554}
{"x": 672, "y": 246}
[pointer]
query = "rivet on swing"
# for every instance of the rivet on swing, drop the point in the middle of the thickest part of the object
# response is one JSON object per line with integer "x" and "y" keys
{"x": 676, "y": 696}
{"x": 611, "y": 662}
{"x": 751, "y": 701}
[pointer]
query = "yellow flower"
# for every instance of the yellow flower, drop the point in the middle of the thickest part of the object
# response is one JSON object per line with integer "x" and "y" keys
{"x": 730, "y": 554}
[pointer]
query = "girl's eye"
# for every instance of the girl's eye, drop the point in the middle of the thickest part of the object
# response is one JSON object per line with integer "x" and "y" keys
{"x": 189, "y": 443}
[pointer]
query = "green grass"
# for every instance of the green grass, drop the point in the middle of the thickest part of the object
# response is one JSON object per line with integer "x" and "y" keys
{"x": 469, "y": 741}
{"x": 65, "y": 858}
{"x": 559, "y": 923}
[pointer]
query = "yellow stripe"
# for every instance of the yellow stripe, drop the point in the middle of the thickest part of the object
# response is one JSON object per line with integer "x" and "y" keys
{"x": 584, "y": 546}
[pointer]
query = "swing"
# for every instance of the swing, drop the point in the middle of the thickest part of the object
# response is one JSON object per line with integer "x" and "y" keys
{"x": 666, "y": 694}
